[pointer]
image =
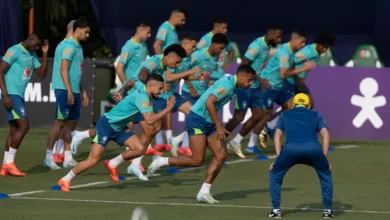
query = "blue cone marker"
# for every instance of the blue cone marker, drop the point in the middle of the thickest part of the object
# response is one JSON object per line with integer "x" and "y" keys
{"x": 56, "y": 188}
{"x": 3, "y": 196}
{"x": 172, "y": 170}
{"x": 121, "y": 178}
{"x": 262, "y": 157}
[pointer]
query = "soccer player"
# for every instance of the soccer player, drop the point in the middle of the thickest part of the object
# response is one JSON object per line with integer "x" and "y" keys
{"x": 68, "y": 90}
{"x": 166, "y": 35}
{"x": 257, "y": 55}
{"x": 133, "y": 54}
{"x": 277, "y": 70}
{"x": 15, "y": 72}
{"x": 207, "y": 59}
{"x": 206, "y": 129}
{"x": 300, "y": 125}
{"x": 58, "y": 157}
{"x": 113, "y": 126}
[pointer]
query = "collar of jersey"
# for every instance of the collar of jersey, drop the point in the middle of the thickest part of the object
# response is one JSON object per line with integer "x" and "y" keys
{"x": 162, "y": 56}
{"x": 211, "y": 33}
{"x": 265, "y": 43}
{"x": 300, "y": 106}
{"x": 207, "y": 52}
{"x": 235, "y": 79}
{"x": 145, "y": 88}
{"x": 289, "y": 47}
{"x": 24, "y": 49}
{"x": 132, "y": 40}
{"x": 173, "y": 27}
{"x": 72, "y": 39}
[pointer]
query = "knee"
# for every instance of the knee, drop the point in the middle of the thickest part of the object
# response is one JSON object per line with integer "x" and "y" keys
{"x": 24, "y": 128}
{"x": 221, "y": 157}
{"x": 198, "y": 161}
{"x": 92, "y": 161}
{"x": 139, "y": 151}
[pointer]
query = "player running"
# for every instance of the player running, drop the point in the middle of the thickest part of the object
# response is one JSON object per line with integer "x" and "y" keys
{"x": 206, "y": 129}
{"x": 301, "y": 126}
{"x": 277, "y": 70}
{"x": 257, "y": 55}
{"x": 113, "y": 126}
{"x": 15, "y": 72}
{"x": 207, "y": 59}
{"x": 68, "y": 90}
{"x": 133, "y": 53}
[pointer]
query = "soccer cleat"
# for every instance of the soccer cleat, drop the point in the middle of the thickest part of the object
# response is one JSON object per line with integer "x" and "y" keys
{"x": 188, "y": 151}
{"x": 58, "y": 158}
{"x": 207, "y": 198}
{"x": 327, "y": 214}
{"x": 137, "y": 172}
{"x": 152, "y": 151}
{"x": 236, "y": 148}
{"x": 162, "y": 147}
{"x": 175, "y": 146}
{"x": 112, "y": 170}
{"x": 276, "y": 214}
{"x": 64, "y": 184}
{"x": 141, "y": 167}
{"x": 154, "y": 166}
{"x": 76, "y": 141}
{"x": 11, "y": 170}
{"x": 263, "y": 140}
{"x": 51, "y": 164}
{"x": 69, "y": 164}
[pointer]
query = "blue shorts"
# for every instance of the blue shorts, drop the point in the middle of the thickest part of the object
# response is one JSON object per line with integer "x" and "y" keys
{"x": 248, "y": 98}
{"x": 64, "y": 111}
{"x": 196, "y": 125}
{"x": 18, "y": 110}
{"x": 188, "y": 97}
{"x": 105, "y": 133}
{"x": 293, "y": 89}
{"x": 279, "y": 96}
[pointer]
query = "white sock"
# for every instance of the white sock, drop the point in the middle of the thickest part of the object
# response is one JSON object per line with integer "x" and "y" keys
{"x": 83, "y": 134}
{"x": 60, "y": 146}
{"x": 137, "y": 161}
{"x": 10, "y": 155}
{"x": 205, "y": 188}
{"x": 68, "y": 156}
{"x": 185, "y": 143}
{"x": 159, "y": 138}
{"x": 116, "y": 161}
{"x": 163, "y": 161}
{"x": 180, "y": 137}
{"x": 69, "y": 176}
{"x": 238, "y": 138}
{"x": 49, "y": 154}
{"x": 253, "y": 140}
{"x": 168, "y": 135}
{"x": 5, "y": 156}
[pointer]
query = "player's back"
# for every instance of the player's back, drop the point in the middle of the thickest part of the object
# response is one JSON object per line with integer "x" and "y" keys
{"x": 301, "y": 125}
{"x": 167, "y": 34}
{"x": 132, "y": 55}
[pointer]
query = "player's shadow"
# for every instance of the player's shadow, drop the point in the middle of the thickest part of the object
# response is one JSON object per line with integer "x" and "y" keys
{"x": 38, "y": 169}
{"x": 128, "y": 184}
{"x": 241, "y": 194}
{"x": 108, "y": 154}
{"x": 337, "y": 207}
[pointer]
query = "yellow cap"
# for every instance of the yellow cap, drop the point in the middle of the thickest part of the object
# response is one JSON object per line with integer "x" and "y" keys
{"x": 301, "y": 99}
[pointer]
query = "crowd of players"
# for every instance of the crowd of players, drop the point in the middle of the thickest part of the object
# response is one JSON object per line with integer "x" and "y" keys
{"x": 270, "y": 72}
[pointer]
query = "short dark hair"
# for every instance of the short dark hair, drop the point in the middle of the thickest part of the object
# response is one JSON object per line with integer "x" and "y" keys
{"x": 245, "y": 68}
{"x": 154, "y": 77}
{"x": 142, "y": 24}
{"x": 188, "y": 37}
{"x": 33, "y": 34}
{"x": 220, "y": 20}
{"x": 175, "y": 48}
{"x": 273, "y": 28}
{"x": 181, "y": 10}
{"x": 299, "y": 33}
{"x": 220, "y": 39}
{"x": 325, "y": 39}
{"x": 80, "y": 22}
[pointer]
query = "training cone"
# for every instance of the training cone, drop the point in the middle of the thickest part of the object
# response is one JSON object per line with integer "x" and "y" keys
{"x": 56, "y": 188}
{"x": 121, "y": 178}
{"x": 331, "y": 149}
{"x": 262, "y": 157}
{"x": 3, "y": 196}
{"x": 172, "y": 170}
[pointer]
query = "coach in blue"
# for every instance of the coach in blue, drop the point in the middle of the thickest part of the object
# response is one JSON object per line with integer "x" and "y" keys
{"x": 301, "y": 126}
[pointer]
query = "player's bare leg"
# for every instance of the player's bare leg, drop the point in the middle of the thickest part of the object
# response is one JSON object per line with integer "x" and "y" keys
{"x": 257, "y": 115}
{"x": 55, "y": 133}
{"x": 18, "y": 130}
{"x": 69, "y": 126}
{"x": 267, "y": 116}
{"x": 184, "y": 108}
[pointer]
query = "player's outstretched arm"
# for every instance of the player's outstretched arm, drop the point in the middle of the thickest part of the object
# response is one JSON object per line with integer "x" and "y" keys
{"x": 325, "y": 140}
{"x": 278, "y": 141}
{"x": 210, "y": 105}
{"x": 230, "y": 60}
{"x": 151, "y": 118}
{"x": 171, "y": 77}
{"x": 143, "y": 74}
{"x": 129, "y": 84}
{"x": 286, "y": 72}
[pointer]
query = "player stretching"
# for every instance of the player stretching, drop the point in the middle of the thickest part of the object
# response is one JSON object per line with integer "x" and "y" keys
{"x": 67, "y": 90}
{"x": 15, "y": 72}
{"x": 132, "y": 55}
{"x": 206, "y": 129}
{"x": 257, "y": 55}
{"x": 277, "y": 70}
{"x": 311, "y": 53}
{"x": 301, "y": 126}
{"x": 207, "y": 59}
{"x": 166, "y": 35}
{"x": 113, "y": 126}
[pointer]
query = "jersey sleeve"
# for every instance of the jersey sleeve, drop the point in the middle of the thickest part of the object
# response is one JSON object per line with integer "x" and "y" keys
{"x": 68, "y": 53}
{"x": 36, "y": 62}
{"x": 300, "y": 57}
{"x": 279, "y": 123}
{"x": 229, "y": 47}
{"x": 143, "y": 103}
{"x": 252, "y": 52}
{"x": 162, "y": 33}
{"x": 10, "y": 56}
{"x": 321, "y": 122}
{"x": 284, "y": 58}
{"x": 125, "y": 55}
{"x": 150, "y": 65}
{"x": 221, "y": 88}
{"x": 202, "y": 43}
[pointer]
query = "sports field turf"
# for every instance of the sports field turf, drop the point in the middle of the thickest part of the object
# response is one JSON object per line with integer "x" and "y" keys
{"x": 361, "y": 188}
